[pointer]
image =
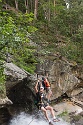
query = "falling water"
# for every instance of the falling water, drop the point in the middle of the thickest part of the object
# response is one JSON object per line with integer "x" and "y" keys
{"x": 37, "y": 119}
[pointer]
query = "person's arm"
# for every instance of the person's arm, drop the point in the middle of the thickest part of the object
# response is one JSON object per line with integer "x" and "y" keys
{"x": 36, "y": 87}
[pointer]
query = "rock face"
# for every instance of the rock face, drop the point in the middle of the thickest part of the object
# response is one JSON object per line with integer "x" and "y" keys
{"x": 4, "y": 116}
{"x": 15, "y": 72}
{"x": 19, "y": 91}
{"x": 63, "y": 79}
{"x": 5, "y": 101}
{"x": 22, "y": 94}
{"x": 64, "y": 76}
{"x": 19, "y": 85}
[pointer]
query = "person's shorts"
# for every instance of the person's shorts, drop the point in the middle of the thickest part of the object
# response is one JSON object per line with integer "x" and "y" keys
{"x": 48, "y": 90}
{"x": 42, "y": 105}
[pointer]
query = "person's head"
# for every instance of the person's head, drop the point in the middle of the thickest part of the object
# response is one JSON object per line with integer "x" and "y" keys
{"x": 41, "y": 89}
{"x": 43, "y": 78}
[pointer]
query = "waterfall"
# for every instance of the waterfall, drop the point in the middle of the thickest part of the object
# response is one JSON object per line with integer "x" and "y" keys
{"x": 28, "y": 119}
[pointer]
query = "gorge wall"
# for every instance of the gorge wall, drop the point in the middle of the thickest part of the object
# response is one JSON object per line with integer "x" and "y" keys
{"x": 64, "y": 76}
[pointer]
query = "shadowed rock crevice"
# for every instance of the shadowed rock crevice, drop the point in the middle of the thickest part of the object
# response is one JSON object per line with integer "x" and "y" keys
{"x": 21, "y": 94}
{"x": 4, "y": 116}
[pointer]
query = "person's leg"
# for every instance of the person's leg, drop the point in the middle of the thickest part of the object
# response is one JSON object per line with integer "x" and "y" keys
{"x": 52, "y": 113}
{"x": 49, "y": 94}
{"x": 45, "y": 112}
{"x": 51, "y": 110}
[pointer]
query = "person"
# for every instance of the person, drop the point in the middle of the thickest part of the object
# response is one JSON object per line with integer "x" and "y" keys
{"x": 47, "y": 87}
{"x": 42, "y": 105}
{"x": 38, "y": 85}
{"x": 37, "y": 89}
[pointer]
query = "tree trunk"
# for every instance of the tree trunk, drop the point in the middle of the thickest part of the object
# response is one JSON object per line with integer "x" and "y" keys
{"x": 16, "y": 4}
{"x": 31, "y": 8}
{"x": 49, "y": 12}
{"x": 54, "y": 7}
{"x": 36, "y": 9}
{"x": 26, "y": 6}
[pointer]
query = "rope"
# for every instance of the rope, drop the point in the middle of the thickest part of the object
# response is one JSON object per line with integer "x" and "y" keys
{"x": 33, "y": 119}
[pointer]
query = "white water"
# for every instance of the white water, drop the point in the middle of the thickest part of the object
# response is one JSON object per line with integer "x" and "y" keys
{"x": 26, "y": 119}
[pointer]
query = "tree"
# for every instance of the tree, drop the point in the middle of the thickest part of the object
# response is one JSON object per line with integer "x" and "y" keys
{"x": 15, "y": 31}
{"x": 26, "y": 5}
{"x": 54, "y": 7}
{"x": 36, "y": 9}
{"x": 16, "y": 4}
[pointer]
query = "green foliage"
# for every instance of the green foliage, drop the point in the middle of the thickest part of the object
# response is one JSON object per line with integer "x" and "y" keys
{"x": 25, "y": 58}
{"x": 15, "y": 31}
{"x": 64, "y": 113}
{"x": 62, "y": 33}
{"x": 72, "y": 51}
{"x": 2, "y": 80}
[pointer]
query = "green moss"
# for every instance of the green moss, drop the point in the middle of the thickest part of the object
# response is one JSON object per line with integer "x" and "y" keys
{"x": 76, "y": 118}
{"x": 2, "y": 86}
{"x": 64, "y": 113}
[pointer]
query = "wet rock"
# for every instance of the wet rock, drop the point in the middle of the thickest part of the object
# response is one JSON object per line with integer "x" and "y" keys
{"x": 4, "y": 116}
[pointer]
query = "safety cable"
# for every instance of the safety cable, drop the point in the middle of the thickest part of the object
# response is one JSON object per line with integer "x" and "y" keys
{"x": 33, "y": 118}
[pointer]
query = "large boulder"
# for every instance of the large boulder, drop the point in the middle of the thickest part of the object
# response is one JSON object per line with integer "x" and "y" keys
{"x": 19, "y": 84}
{"x": 64, "y": 78}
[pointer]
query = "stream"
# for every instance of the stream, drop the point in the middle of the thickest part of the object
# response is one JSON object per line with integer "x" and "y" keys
{"x": 26, "y": 117}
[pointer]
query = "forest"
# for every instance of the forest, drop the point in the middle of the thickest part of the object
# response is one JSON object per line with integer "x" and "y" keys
{"x": 55, "y": 25}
